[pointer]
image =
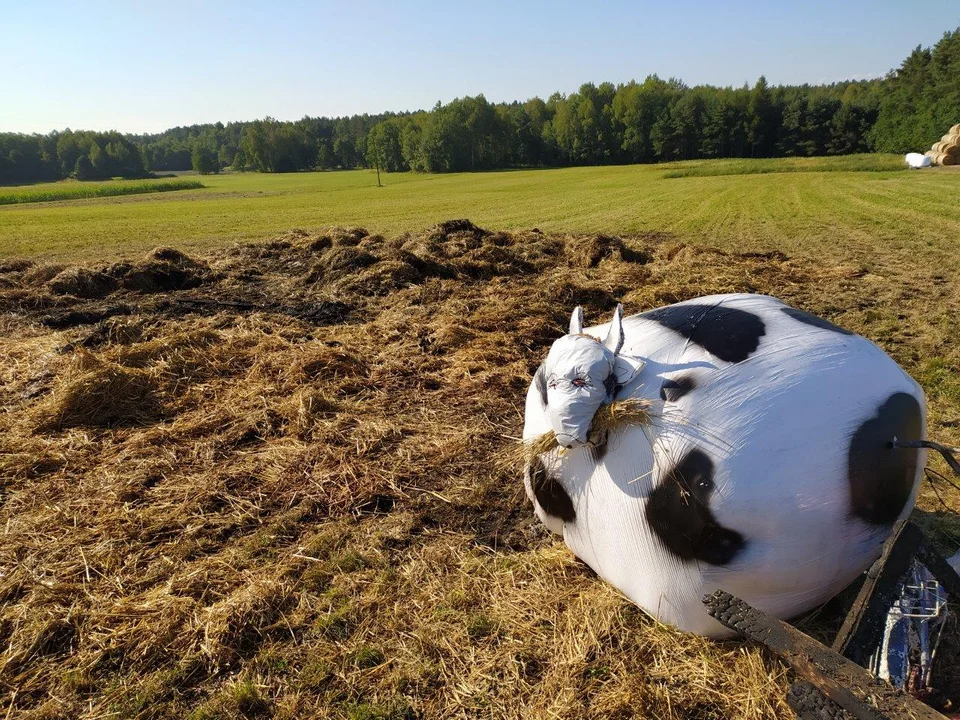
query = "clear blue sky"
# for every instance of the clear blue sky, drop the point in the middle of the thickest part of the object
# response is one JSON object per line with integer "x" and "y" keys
{"x": 139, "y": 66}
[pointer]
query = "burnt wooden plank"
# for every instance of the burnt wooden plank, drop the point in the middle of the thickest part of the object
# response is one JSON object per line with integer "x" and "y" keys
{"x": 850, "y": 686}
{"x": 862, "y": 631}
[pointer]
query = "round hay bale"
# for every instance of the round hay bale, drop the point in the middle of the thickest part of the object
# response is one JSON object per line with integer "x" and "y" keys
{"x": 937, "y": 157}
{"x": 83, "y": 282}
{"x": 939, "y": 146}
{"x": 955, "y": 129}
{"x": 946, "y": 160}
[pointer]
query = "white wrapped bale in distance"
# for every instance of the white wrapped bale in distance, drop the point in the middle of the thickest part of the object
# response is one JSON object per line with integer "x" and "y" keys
{"x": 916, "y": 160}
{"x": 765, "y": 468}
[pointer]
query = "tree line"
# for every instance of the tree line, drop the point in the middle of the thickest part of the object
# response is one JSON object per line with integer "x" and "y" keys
{"x": 636, "y": 122}
{"x": 84, "y": 155}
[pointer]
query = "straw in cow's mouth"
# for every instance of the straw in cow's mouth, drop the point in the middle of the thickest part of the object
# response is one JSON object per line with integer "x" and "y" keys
{"x": 632, "y": 411}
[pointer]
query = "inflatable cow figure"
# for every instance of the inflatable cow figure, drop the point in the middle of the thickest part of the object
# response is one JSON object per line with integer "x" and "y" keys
{"x": 765, "y": 469}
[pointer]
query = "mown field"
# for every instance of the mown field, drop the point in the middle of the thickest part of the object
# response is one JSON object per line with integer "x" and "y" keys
{"x": 276, "y": 475}
{"x": 758, "y": 208}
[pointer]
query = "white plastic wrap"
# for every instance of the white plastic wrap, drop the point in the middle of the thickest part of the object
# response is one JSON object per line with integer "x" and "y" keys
{"x": 765, "y": 470}
{"x": 917, "y": 160}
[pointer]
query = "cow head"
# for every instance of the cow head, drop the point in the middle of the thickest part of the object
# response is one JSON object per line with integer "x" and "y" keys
{"x": 581, "y": 373}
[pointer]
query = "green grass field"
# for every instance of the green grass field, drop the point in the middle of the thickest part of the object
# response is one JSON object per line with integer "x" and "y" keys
{"x": 827, "y": 203}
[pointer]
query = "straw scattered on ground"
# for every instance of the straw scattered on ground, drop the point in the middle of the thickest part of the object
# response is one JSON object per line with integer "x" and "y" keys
{"x": 268, "y": 482}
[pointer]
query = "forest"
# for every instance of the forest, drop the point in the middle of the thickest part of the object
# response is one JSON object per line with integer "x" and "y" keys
{"x": 636, "y": 122}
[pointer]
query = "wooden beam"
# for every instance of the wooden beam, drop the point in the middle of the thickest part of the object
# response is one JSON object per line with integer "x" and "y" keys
{"x": 850, "y": 686}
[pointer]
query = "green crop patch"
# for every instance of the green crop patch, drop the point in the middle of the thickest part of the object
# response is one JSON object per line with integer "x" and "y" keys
{"x": 51, "y": 192}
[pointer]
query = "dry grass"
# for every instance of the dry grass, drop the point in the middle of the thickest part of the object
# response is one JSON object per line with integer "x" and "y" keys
{"x": 275, "y": 488}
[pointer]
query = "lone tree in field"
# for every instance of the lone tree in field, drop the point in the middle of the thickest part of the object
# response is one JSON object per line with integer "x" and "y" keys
{"x": 375, "y": 150}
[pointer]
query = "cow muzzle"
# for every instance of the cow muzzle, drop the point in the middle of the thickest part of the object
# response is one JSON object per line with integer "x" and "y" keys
{"x": 570, "y": 441}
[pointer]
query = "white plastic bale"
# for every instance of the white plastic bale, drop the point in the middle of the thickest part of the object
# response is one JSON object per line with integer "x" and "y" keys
{"x": 917, "y": 160}
{"x": 777, "y": 428}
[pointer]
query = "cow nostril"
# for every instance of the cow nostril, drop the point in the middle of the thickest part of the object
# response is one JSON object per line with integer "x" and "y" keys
{"x": 567, "y": 441}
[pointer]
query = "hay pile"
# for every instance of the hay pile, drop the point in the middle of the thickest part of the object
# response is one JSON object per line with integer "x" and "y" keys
{"x": 946, "y": 151}
{"x": 275, "y": 488}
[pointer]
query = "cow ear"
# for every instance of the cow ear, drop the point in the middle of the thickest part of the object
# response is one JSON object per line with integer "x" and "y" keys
{"x": 614, "y": 339}
{"x": 576, "y": 321}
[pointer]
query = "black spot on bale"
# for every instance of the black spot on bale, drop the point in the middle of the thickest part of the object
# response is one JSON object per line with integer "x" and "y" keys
{"x": 679, "y": 514}
{"x": 728, "y": 333}
{"x": 550, "y": 493}
{"x": 813, "y": 320}
{"x": 882, "y": 478}
{"x": 540, "y": 380}
{"x": 673, "y": 390}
